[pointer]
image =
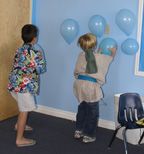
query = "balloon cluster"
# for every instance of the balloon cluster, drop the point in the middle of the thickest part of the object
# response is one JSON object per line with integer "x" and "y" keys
{"x": 125, "y": 20}
{"x": 97, "y": 25}
{"x": 69, "y": 28}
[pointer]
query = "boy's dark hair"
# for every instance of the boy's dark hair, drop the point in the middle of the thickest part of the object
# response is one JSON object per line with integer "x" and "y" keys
{"x": 28, "y": 32}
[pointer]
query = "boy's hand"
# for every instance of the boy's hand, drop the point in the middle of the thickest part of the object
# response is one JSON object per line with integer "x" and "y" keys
{"x": 113, "y": 51}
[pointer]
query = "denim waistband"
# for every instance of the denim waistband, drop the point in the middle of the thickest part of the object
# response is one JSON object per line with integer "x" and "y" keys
{"x": 88, "y": 78}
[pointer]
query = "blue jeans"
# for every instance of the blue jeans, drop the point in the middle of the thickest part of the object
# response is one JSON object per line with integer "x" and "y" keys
{"x": 87, "y": 118}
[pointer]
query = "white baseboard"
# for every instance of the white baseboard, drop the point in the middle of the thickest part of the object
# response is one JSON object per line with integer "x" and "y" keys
{"x": 106, "y": 124}
{"x": 71, "y": 116}
{"x": 56, "y": 112}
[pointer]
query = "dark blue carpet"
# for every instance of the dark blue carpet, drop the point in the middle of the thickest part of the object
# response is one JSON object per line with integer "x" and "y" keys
{"x": 55, "y": 136}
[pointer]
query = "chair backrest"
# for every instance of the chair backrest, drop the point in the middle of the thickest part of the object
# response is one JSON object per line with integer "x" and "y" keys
{"x": 130, "y": 108}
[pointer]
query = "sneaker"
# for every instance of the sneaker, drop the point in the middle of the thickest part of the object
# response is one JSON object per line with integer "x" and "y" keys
{"x": 78, "y": 134}
{"x": 88, "y": 139}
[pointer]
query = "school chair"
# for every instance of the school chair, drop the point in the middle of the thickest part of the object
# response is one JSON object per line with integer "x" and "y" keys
{"x": 130, "y": 116}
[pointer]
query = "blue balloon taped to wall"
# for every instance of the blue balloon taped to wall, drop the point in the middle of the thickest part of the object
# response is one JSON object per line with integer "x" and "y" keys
{"x": 106, "y": 44}
{"x": 69, "y": 30}
{"x": 97, "y": 25}
{"x": 130, "y": 46}
{"x": 125, "y": 19}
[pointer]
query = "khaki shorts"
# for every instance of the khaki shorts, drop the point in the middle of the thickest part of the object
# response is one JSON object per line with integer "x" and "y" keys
{"x": 25, "y": 101}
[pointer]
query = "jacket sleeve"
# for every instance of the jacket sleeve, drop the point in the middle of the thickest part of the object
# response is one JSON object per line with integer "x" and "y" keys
{"x": 80, "y": 66}
{"x": 39, "y": 60}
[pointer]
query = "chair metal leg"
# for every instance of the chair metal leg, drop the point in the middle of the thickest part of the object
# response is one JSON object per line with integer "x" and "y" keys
{"x": 141, "y": 138}
{"x": 113, "y": 137}
{"x": 125, "y": 140}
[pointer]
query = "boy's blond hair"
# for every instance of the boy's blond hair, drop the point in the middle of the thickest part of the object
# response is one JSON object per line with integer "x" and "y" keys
{"x": 87, "y": 41}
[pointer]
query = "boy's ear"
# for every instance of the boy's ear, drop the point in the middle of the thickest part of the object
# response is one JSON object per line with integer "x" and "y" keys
{"x": 34, "y": 40}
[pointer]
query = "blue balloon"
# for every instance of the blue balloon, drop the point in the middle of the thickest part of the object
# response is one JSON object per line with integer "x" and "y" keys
{"x": 130, "y": 46}
{"x": 125, "y": 20}
{"x": 106, "y": 44}
{"x": 97, "y": 25}
{"x": 69, "y": 30}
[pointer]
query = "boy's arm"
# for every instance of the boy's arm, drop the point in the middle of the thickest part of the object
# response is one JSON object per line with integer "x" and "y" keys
{"x": 78, "y": 66}
{"x": 40, "y": 62}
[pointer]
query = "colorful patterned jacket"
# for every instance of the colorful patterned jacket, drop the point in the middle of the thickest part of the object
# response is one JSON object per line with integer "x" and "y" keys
{"x": 28, "y": 64}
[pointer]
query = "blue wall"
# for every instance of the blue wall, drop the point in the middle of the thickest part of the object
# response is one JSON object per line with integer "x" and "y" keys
{"x": 57, "y": 84}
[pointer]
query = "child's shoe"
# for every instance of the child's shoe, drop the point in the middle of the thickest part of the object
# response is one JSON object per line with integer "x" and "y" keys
{"x": 78, "y": 134}
{"x": 88, "y": 139}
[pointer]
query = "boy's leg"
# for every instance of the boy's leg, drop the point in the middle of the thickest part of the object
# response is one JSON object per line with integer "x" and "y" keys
{"x": 26, "y": 103}
{"x": 91, "y": 120}
{"x": 23, "y": 99}
{"x": 20, "y": 140}
{"x": 80, "y": 117}
{"x": 22, "y": 118}
{"x": 27, "y": 127}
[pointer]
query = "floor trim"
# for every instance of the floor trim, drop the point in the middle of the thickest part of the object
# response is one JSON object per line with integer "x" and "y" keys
{"x": 71, "y": 116}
